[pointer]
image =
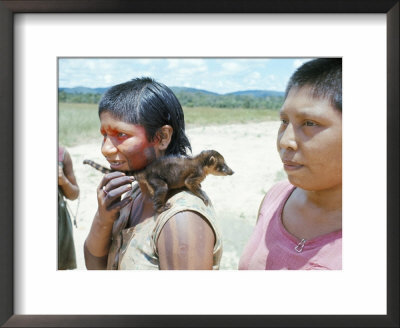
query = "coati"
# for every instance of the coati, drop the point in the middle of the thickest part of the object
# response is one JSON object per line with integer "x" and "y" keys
{"x": 173, "y": 172}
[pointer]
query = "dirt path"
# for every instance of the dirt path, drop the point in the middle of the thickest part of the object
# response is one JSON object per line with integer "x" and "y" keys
{"x": 249, "y": 149}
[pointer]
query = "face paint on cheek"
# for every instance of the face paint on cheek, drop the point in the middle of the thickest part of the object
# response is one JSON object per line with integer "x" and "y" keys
{"x": 142, "y": 156}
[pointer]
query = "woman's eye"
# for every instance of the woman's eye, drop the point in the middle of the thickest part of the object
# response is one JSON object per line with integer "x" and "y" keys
{"x": 310, "y": 123}
{"x": 121, "y": 135}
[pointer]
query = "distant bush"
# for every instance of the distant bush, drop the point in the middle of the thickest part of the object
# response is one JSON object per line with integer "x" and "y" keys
{"x": 197, "y": 99}
{"x": 82, "y": 98}
{"x": 193, "y": 99}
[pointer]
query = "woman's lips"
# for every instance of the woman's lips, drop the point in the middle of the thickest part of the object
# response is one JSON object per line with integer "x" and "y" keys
{"x": 115, "y": 165}
{"x": 291, "y": 166}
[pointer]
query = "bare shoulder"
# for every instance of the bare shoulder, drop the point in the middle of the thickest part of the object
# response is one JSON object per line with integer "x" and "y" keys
{"x": 67, "y": 157}
{"x": 68, "y": 166}
{"x": 188, "y": 223}
{"x": 186, "y": 242}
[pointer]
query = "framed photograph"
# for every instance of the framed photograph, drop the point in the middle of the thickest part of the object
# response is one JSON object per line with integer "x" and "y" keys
{"x": 36, "y": 34}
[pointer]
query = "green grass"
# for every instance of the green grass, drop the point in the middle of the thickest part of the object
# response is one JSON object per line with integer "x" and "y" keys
{"x": 198, "y": 116}
{"x": 79, "y": 123}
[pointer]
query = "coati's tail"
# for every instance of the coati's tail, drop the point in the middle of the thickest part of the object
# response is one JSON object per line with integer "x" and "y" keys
{"x": 96, "y": 166}
{"x": 103, "y": 169}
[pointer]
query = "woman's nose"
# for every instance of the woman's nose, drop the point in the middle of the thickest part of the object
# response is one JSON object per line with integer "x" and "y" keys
{"x": 108, "y": 148}
{"x": 287, "y": 138}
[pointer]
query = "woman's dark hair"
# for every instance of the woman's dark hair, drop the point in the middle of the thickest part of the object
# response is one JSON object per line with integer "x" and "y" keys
{"x": 324, "y": 76}
{"x": 145, "y": 102}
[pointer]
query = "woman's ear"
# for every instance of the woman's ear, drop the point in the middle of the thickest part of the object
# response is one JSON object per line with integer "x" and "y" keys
{"x": 163, "y": 137}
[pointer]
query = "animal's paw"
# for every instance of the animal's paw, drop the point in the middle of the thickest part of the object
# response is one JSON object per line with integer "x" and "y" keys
{"x": 161, "y": 209}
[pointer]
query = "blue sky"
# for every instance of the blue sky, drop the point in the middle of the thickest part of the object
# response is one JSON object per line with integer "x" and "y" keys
{"x": 220, "y": 75}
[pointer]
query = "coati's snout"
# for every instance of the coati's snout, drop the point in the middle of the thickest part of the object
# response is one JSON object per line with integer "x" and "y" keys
{"x": 216, "y": 164}
{"x": 227, "y": 170}
{"x": 221, "y": 169}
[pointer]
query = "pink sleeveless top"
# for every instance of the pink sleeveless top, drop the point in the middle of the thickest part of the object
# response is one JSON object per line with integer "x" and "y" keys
{"x": 272, "y": 247}
{"x": 61, "y": 152}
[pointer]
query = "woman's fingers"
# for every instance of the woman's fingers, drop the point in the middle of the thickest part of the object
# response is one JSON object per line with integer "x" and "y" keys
{"x": 116, "y": 182}
{"x": 115, "y": 194}
{"x": 110, "y": 176}
{"x": 110, "y": 190}
{"x": 119, "y": 205}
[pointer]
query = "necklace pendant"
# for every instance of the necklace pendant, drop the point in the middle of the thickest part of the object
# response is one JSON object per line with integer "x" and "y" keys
{"x": 300, "y": 246}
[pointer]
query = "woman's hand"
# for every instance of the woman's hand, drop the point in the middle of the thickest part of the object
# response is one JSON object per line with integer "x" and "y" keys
{"x": 109, "y": 193}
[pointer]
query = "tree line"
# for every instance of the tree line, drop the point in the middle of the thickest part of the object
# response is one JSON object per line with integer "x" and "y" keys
{"x": 188, "y": 99}
{"x": 192, "y": 99}
{"x": 85, "y": 98}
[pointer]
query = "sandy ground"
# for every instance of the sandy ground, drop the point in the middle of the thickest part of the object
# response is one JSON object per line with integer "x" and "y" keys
{"x": 249, "y": 149}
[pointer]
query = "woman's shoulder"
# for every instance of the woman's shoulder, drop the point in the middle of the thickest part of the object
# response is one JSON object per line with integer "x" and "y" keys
{"x": 186, "y": 201}
{"x": 275, "y": 196}
{"x": 279, "y": 190}
{"x": 282, "y": 185}
{"x": 186, "y": 204}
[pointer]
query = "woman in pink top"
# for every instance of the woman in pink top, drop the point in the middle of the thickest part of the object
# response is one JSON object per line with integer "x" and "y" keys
{"x": 299, "y": 224}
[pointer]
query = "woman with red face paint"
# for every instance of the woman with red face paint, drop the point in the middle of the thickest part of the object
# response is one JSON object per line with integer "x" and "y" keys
{"x": 299, "y": 224}
{"x": 142, "y": 120}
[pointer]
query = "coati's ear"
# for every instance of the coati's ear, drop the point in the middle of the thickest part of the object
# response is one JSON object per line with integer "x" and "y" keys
{"x": 163, "y": 137}
{"x": 211, "y": 161}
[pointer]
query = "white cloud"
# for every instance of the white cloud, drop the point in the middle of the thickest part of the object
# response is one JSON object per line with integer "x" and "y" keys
{"x": 172, "y": 63}
{"x": 187, "y": 63}
{"x": 144, "y": 61}
{"x": 192, "y": 70}
{"x": 231, "y": 67}
{"x": 255, "y": 75}
{"x": 91, "y": 65}
{"x": 195, "y": 62}
{"x": 108, "y": 78}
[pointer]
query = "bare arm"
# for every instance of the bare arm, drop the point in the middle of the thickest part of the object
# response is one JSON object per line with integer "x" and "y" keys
{"x": 66, "y": 178}
{"x": 94, "y": 262}
{"x": 186, "y": 242}
{"x": 98, "y": 241}
{"x": 97, "y": 244}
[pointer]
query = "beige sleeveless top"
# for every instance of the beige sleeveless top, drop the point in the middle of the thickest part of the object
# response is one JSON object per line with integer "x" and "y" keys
{"x": 135, "y": 248}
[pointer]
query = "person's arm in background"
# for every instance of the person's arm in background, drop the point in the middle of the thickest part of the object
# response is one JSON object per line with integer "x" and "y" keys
{"x": 66, "y": 178}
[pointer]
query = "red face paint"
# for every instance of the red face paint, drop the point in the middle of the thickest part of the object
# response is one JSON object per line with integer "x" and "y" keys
{"x": 125, "y": 145}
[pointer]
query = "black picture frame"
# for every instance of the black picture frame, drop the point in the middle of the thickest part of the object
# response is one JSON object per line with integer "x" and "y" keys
{"x": 7, "y": 172}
